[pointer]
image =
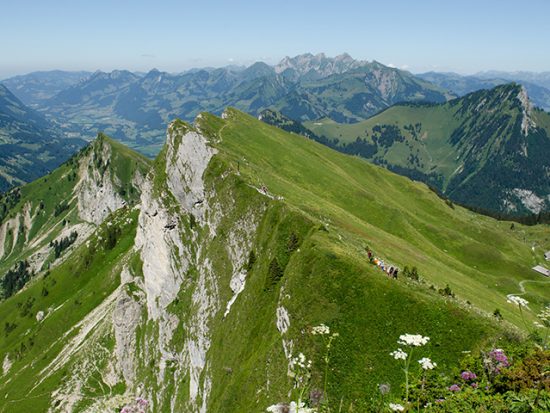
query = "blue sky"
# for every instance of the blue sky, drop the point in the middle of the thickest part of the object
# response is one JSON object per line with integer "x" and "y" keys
{"x": 464, "y": 36}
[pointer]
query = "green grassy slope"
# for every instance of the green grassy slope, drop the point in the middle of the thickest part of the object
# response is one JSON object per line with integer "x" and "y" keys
{"x": 66, "y": 295}
{"x": 37, "y": 213}
{"x": 404, "y": 221}
{"x": 340, "y": 204}
{"x": 473, "y": 148}
{"x": 324, "y": 208}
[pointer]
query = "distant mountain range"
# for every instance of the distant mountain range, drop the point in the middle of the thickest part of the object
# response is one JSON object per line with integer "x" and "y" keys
{"x": 488, "y": 149}
{"x": 136, "y": 108}
{"x": 536, "y": 86}
{"x": 29, "y": 145}
{"x": 35, "y": 88}
{"x": 408, "y": 123}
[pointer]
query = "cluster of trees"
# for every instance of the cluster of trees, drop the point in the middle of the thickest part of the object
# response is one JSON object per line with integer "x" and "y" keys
{"x": 15, "y": 279}
{"x": 7, "y": 201}
{"x": 60, "y": 208}
{"x": 387, "y": 135}
{"x": 63, "y": 243}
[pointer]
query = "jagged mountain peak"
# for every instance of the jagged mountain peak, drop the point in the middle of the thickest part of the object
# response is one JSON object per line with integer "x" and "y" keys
{"x": 319, "y": 63}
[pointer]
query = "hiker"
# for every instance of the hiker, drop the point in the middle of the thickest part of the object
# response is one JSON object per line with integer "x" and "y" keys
{"x": 390, "y": 272}
{"x": 395, "y": 274}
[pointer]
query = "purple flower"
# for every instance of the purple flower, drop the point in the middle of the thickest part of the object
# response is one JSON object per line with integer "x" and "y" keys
{"x": 141, "y": 401}
{"x": 468, "y": 375}
{"x": 439, "y": 400}
{"x": 499, "y": 356}
{"x": 474, "y": 385}
{"x": 454, "y": 387}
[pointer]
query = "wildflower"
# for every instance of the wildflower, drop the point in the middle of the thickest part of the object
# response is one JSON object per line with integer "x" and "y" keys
{"x": 384, "y": 388}
{"x": 468, "y": 375}
{"x": 427, "y": 364}
{"x": 474, "y": 385}
{"x": 499, "y": 356}
{"x": 321, "y": 330}
{"x": 142, "y": 402}
{"x": 544, "y": 316}
{"x": 439, "y": 400}
{"x": 415, "y": 340}
{"x": 396, "y": 407}
{"x": 399, "y": 354}
{"x": 454, "y": 387}
{"x": 514, "y": 299}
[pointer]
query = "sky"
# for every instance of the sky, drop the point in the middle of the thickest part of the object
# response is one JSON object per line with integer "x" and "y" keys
{"x": 463, "y": 36}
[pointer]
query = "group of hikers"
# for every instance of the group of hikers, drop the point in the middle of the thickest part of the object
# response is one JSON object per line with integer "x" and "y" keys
{"x": 390, "y": 271}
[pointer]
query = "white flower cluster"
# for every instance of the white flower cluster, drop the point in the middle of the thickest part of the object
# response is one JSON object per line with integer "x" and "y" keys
{"x": 300, "y": 361}
{"x": 321, "y": 330}
{"x": 293, "y": 407}
{"x": 396, "y": 407}
{"x": 544, "y": 316}
{"x": 399, "y": 354}
{"x": 415, "y": 340}
{"x": 514, "y": 299}
{"x": 427, "y": 364}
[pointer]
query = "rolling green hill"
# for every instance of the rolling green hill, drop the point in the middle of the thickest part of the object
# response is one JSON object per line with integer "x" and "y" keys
{"x": 488, "y": 149}
{"x": 243, "y": 239}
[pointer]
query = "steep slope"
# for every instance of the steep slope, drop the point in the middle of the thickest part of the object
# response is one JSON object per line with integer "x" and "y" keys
{"x": 488, "y": 149}
{"x": 246, "y": 237}
{"x": 35, "y": 88}
{"x": 137, "y": 109}
{"x": 462, "y": 85}
{"x": 29, "y": 146}
{"x": 80, "y": 194}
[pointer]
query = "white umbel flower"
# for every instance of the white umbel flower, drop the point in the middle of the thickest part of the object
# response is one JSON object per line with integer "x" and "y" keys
{"x": 415, "y": 340}
{"x": 427, "y": 364}
{"x": 396, "y": 407}
{"x": 399, "y": 354}
{"x": 514, "y": 299}
{"x": 321, "y": 330}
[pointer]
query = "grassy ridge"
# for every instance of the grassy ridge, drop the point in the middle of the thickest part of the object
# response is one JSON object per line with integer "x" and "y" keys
{"x": 403, "y": 221}
{"x": 474, "y": 148}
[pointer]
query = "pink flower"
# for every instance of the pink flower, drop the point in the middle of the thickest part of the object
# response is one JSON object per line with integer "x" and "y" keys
{"x": 454, "y": 387}
{"x": 468, "y": 375}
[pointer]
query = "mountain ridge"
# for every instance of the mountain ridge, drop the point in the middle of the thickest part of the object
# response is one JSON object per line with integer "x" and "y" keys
{"x": 197, "y": 296}
{"x": 468, "y": 142}
{"x": 136, "y": 109}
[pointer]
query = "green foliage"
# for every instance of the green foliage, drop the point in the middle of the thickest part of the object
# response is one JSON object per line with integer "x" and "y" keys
{"x": 274, "y": 274}
{"x": 60, "y": 208}
{"x": 15, "y": 279}
{"x": 251, "y": 261}
{"x": 63, "y": 243}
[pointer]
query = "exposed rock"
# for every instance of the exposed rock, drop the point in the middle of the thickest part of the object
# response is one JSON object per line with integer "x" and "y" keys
{"x": 527, "y": 122}
{"x": 6, "y": 365}
{"x": 126, "y": 317}
{"x": 529, "y": 199}
{"x": 97, "y": 196}
{"x": 187, "y": 157}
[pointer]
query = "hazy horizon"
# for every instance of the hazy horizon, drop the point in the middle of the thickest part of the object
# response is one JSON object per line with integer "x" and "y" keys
{"x": 466, "y": 37}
